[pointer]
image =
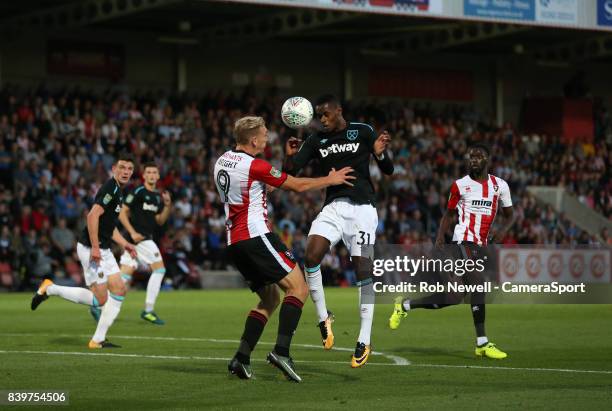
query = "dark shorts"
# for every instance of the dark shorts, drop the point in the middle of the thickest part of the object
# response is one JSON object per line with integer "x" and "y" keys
{"x": 471, "y": 251}
{"x": 262, "y": 260}
{"x": 468, "y": 250}
{"x": 456, "y": 252}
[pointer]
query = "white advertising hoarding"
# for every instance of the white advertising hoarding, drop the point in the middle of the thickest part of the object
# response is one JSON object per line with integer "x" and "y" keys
{"x": 557, "y": 11}
{"x": 531, "y": 265}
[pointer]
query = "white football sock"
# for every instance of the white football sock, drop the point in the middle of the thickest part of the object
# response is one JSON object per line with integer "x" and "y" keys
{"x": 406, "y": 305}
{"x": 481, "y": 340}
{"x": 366, "y": 310}
{"x": 153, "y": 287}
{"x": 109, "y": 313}
{"x": 75, "y": 294}
{"x": 315, "y": 284}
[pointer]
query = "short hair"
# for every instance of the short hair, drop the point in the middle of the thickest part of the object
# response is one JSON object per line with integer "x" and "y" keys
{"x": 148, "y": 164}
{"x": 328, "y": 99}
{"x": 247, "y": 127}
{"x": 481, "y": 146}
{"x": 124, "y": 156}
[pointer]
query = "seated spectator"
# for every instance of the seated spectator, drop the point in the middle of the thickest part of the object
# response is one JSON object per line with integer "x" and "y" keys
{"x": 55, "y": 154}
{"x": 63, "y": 239}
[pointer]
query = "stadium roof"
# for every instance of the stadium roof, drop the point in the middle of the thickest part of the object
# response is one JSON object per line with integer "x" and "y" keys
{"x": 212, "y": 23}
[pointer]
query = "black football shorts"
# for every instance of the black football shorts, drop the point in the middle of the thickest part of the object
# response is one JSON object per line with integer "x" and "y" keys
{"x": 262, "y": 260}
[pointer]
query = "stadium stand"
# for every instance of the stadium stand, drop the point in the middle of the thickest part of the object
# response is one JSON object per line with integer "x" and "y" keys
{"x": 56, "y": 148}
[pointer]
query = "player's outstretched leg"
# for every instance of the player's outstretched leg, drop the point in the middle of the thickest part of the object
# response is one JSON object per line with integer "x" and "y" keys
{"x": 126, "y": 277}
{"x": 41, "y": 294}
{"x": 363, "y": 267}
{"x": 316, "y": 249}
{"x": 153, "y": 287}
{"x": 77, "y": 295}
{"x": 484, "y": 348}
{"x": 296, "y": 292}
{"x": 430, "y": 302}
{"x": 116, "y": 295}
{"x": 317, "y": 293}
{"x": 255, "y": 323}
{"x": 366, "y": 314}
{"x": 399, "y": 312}
{"x": 95, "y": 312}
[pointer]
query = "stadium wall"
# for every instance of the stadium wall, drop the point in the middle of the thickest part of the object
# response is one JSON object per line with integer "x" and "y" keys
{"x": 522, "y": 77}
{"x": 477, "y": 67}
{"x": 148, "y": 64}
{"x": 294, "y": 68}
{"x": 297, "y": 69}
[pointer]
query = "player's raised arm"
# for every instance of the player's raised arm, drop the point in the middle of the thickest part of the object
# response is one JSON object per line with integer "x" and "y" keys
{"x": 297, "y": 155}
{"x": 334, "y": 178}
{"x": 263, "y": 171}
{"x": 379, "y": 149}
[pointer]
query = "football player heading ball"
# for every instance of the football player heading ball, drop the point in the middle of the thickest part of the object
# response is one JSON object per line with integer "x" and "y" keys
{"x": 349, "y": 213}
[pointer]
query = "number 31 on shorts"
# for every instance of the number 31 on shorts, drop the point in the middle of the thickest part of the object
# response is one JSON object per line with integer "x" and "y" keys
{"x": 364, "y": 238}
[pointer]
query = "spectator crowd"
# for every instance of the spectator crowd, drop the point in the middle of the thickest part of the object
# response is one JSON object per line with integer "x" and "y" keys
{"x": 56, "y": 149}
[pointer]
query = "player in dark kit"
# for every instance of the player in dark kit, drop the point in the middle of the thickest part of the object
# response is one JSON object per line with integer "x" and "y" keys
{"x": 475, "y": 199}
{"x": 100, "y": 268}
{"x": 259, "y": 255}
{"x": 349, "y": 213}
{"x": 144, "y": 211}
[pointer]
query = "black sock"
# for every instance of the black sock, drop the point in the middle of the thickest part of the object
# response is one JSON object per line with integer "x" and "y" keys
{"x": 431, "y": 302}
{"x": 288, "y": 319}
{"x": 428, "y": 306}
{"x": 478, "y": 314}
{"x": 253, "y": 328}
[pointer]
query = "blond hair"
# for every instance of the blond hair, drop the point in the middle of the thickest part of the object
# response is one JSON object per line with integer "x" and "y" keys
{"x": 246, "y": 127}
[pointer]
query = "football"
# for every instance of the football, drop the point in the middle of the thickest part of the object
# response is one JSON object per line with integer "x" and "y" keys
{"x": 296, "y": 112}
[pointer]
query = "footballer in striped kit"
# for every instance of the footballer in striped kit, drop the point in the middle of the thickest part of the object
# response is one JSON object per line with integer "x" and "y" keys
{"x": 477, "y": 203}
{"x": 259, "y": 255}
{"x": 476, "y": 198}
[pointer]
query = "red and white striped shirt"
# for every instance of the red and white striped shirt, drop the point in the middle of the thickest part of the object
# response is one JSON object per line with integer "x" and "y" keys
{"x": 241, "y": 181}
{"x": 476, "y": 203}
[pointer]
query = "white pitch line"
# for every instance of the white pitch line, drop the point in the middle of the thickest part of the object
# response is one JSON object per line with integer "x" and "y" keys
{"x": 484, "y": 367}
{"x": 396, "y": 359}
{"x": 99, "y": 354}
{"x": 177, "y": 357}
{"x": 166, "y": 357}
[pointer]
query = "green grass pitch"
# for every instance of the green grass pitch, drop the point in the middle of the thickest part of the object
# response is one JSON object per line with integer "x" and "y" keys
{"x": 560, "y": 357}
